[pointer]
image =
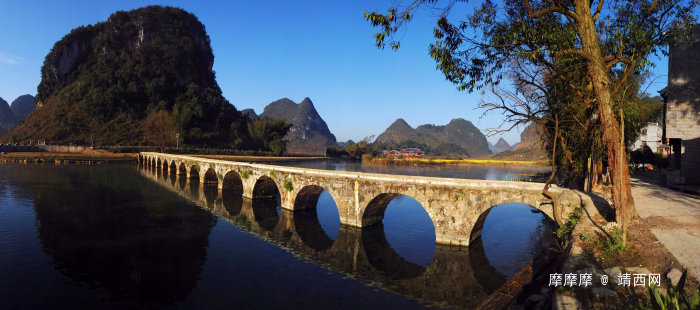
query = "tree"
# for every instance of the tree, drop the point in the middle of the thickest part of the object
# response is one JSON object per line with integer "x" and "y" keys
{"x": 618, "y": 37}
{"x": 278, "y": 146}
{"x": 262, "y": 133}
{"x": 362, "y": 147}
{"x": 159, "y": 128}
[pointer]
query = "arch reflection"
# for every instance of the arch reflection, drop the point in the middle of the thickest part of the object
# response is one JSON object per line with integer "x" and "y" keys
{"x": 266, "y": 212}
{"x": 456, "y": 276}
{"x": 383, "y": 257}
{"x": 309, "y": 229}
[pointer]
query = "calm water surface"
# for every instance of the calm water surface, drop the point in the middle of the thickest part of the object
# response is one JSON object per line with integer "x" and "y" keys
{"x": 128, "y": 237}
{"x": 478, "y": 172}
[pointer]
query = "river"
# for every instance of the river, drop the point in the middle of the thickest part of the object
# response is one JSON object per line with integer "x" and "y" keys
{"x": 123, "y": 237}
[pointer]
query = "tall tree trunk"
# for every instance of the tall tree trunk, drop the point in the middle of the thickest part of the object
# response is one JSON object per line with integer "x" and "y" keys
{"x": 545, "y": 190}
{"x": 617, "y": 158}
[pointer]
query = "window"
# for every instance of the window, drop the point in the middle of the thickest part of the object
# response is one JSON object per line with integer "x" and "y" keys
{"x": 644, "y": 143}
{"x": 644, "y": 132}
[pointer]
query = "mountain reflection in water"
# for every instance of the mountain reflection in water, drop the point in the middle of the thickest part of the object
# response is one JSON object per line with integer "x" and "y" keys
{"x": 125, "y": 241}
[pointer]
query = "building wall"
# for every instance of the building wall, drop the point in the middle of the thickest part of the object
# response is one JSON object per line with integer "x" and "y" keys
{"x": 652, "y": 137}
{"x": 683, "y": 102}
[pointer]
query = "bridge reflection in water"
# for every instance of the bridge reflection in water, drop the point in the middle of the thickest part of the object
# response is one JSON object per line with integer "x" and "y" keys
{"x": 457, "y": 276}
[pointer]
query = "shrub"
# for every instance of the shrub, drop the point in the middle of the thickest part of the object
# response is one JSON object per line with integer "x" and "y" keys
{"x": 288, "y": 185}
{"x": 676, "y": 298}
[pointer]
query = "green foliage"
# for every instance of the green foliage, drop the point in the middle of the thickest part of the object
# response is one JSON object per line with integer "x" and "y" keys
{"x": 677, "y": 297}
{"x": 288, "y": 185}
{"x": 137, "y": 62}
{"x": 245, "y": 174}
{"x": 360, "y": 148}
{"x": 563, "y": 233}
{"x": 660, "y": 159}
{"x": 566, "y": 229}
{"x": 278, "y": 146}
{"x": 219, "y": 176}
{"x": 211, "y": 165}
{"x": 196, "y": 167}
{"x": 263, "y": 133}
{"x": 478, "y": 50}
{"x": 272, "y": 173}
{"x": 612, "y": 244}
{"x": 587, "y": 237}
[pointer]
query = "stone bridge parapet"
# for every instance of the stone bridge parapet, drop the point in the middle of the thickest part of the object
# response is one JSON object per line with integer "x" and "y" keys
{"x": 455, "y": 206}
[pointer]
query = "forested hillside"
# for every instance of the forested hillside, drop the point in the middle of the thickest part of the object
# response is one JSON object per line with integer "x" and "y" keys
{"x": 459, "y": 138}
{"x": 100, "y": 82}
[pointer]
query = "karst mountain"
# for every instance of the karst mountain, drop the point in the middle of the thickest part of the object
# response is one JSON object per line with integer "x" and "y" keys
{"x": 458, "y": 138}
{"x": 103, "y": 80}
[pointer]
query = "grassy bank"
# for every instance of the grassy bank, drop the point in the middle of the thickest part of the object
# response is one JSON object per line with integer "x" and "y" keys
{"x": 431, "y": 161}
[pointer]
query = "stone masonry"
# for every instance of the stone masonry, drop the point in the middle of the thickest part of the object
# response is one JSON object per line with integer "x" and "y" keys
{"x": 454, "y": 205}
{"x": 683, "y": 105}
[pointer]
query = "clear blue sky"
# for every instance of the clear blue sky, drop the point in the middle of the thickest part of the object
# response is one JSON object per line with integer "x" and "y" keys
{"x": 268, "y": 50}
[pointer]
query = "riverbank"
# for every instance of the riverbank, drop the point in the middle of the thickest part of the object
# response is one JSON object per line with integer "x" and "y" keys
{"x": 259, "y": 159}
{"x": 61, "y": 158}
{"x": 440, "y": 162}
{"x": 657, "y": 243}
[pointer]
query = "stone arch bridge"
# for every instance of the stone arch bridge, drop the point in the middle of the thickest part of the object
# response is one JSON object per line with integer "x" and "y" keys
{"x": 457, "y": 207}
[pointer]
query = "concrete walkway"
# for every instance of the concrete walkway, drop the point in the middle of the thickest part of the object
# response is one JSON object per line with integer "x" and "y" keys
{"x": 681, "y": 211}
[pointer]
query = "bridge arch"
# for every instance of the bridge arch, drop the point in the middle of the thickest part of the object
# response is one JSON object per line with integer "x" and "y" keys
{"x": 194, "y": 172}
{"x": 158, "y": 163}
{"x": 173, "y": 167}
{"x": 481, "y": 219}
{"x": 307, "y": 197}
{"x": 383, "y": 257}
{"x": 165, "y": 165}
{"x": 409, "y": 216}
{"x": 210, "y": 176}
{"x": 232, "y": 180}
{"x": 266, "y": 188}
{"x": 181, "y": 169}
{"x": 375, "y": 209}
{"x": 317, "y": 227}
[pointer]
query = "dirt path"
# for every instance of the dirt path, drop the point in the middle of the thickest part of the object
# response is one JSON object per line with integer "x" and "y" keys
{"x": 673, "y": 218}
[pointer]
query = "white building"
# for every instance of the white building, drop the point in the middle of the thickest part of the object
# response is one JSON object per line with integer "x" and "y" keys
{"x": 651, "y": 136}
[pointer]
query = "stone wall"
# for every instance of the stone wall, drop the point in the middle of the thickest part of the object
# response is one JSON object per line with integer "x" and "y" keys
{"x": 683, "y": 103}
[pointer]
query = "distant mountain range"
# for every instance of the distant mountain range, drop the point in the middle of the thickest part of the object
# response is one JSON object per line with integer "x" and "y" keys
{"x": 22, "y": 106}
{"x": 309, "y": 132}
{"x": 501, "y": 146}
{"x": 7, "y": 118}
{"x": 459, "y": 137}
{"x": 529, "y": 147}
{"x": 529, "y": 138}
{"x": 11, "y": 114}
